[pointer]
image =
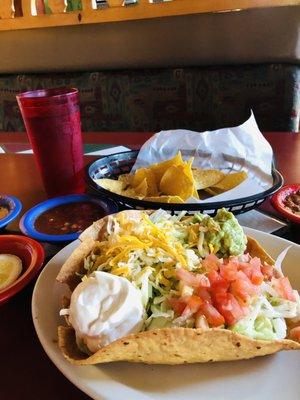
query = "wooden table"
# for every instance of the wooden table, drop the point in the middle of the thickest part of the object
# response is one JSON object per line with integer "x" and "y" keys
{"x": 26, "y": 371}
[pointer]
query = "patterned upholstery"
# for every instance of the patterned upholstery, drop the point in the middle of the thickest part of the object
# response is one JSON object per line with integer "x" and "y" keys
{"x": 199, "y": 98}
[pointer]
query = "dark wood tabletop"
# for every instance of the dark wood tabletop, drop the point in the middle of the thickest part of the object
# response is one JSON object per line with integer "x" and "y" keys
{"x": 26, "y": 371}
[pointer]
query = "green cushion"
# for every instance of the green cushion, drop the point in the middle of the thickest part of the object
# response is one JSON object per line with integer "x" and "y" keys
{"x": 199, "y": 98}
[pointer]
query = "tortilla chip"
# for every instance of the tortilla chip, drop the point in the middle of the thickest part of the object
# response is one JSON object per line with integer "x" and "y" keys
{"x": 228, "y": 182}
{"x": 255, "y": 250}
{"x": 177, "y": 182}
{"x": 165, "y": 199}
{"x": 160, "y": 168}
{"x": 189, "y": 173}
{"x": 112, "y": 185}
{"x": 129, "y": 192}
{"x": 173, "y": 346}
{"x": 206, "y": 177}
{"x": 145, "y": 174}
{"x": 167, "y": 345}
{"x": 140, "y": 175}
{"x": 126, "y": 179}
{"x": 142, "y": 188}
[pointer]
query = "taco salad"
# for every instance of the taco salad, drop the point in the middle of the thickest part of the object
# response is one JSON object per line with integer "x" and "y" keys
{"x": 148, "y": 286}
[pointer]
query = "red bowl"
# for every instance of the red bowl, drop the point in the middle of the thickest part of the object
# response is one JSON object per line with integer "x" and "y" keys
{"x": 32, "y": 255}
{"x": 277, "y": 201}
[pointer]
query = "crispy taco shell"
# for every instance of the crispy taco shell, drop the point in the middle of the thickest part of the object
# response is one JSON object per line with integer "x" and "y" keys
{"x": 162, "y": 346}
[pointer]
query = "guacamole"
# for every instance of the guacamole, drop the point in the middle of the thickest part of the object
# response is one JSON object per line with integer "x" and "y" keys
{"x": 224, "y": 233}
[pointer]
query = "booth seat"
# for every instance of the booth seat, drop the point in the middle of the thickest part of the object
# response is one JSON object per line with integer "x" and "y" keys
{"x": 196, "y": 98}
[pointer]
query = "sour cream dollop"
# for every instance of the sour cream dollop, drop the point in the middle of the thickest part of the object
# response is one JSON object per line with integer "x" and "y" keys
{"x": 105, "y": 307}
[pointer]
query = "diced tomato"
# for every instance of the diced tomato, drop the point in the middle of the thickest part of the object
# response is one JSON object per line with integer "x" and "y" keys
{"x": 256, "y": 276}
{"x": 295, "y": 333}
{"x": 267, "y": 271}
{"x": 229, "y": 307}
{"x": 194, "y": 303}
{"x": 213, "y": 277}
{"x": 192, "y": 279}
{"x": 178, "y": 305}
{"x": 203, "y": 280}
{"x": 185, "y": 306}
{"x": 211, "y": 262}
{"x": 255, "y": 262}
{"x": 203, "y": 294}
{"x": 252, "y": 270}
{"x": 187, "y": 312}
{"x": 242, "y": 288}
{"x": 284, "y": 288}
{"x": 214, "y": 318}
{"x": 228, "y": 271}
{"x": 218, "y": 284}
{"x": 187, "y": 277}
{"x": 246, "y": 268}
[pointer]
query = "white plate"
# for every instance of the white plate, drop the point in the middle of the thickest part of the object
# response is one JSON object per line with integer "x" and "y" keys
{"x": 271, "y": 377}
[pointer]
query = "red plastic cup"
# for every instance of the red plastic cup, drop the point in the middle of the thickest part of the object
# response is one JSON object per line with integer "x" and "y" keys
{"x": 52, "y": 121}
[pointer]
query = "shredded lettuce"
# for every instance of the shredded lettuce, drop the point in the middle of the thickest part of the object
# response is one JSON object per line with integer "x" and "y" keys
{"x": 257, "y": 326}
{"x": 142, "y": 282}
{"x": 266, "y": 318}
{"x": 279, "y": 260}
{"x": 161, "y": 316}
{"x": 159, "y": 322}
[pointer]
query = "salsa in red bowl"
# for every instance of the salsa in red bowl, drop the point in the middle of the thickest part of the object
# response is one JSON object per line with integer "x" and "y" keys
{"x": 63, "y": 218}
{"x": 287, "y": 202}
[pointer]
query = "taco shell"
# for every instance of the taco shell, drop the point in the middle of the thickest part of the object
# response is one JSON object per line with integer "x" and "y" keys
{"x": 167, "y": 345}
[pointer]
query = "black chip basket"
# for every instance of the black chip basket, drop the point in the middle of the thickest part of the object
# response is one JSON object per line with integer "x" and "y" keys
{"x": 114, "y": 165}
